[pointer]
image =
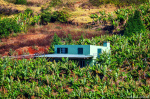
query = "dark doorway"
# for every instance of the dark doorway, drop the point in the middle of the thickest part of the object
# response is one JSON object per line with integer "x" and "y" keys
{"x": 82, "y": 64}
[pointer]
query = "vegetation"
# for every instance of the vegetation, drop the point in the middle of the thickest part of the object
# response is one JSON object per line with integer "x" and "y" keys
{"x": 7, "y": 26}
{"x": 124, "y": 73}
{"x": 124, "y": 19}
{"x": 117, "y": 2}
{"x": 21, "y": 2}
{"x": 22, "y": 21}
{"x": 60, "y": 16}
{"x": 134, "y": 24}
{"x": 55, "y": 2}
{"x": 118, "y": 75}
{"x": 56, "y": 41}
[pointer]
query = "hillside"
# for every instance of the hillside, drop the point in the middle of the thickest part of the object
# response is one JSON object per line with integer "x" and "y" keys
{"x": 123, "y": 74}
{"x": 79, "y": 10}
{"x": 80, "y": 22}
{"x": 35, "y": 26}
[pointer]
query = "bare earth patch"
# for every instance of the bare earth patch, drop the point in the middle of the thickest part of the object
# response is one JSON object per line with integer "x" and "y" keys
{"x": 43, "y": 35}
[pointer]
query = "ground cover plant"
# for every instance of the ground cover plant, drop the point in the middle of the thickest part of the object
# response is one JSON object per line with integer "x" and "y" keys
{"x": 123, "y": 74}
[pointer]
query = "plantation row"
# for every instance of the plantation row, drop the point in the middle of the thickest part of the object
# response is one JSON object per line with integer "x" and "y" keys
{"x": 124, "y": 19}
{"x": 123, "y": 74}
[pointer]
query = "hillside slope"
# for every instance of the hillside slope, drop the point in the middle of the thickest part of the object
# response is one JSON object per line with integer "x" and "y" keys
{"x": 80, "y": 23}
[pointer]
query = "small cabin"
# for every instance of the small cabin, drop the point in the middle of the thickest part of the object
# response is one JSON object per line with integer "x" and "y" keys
{"x": 84, "y": 54}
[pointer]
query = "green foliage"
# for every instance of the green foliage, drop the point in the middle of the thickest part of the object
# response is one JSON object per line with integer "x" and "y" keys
{"x": 54, "y": 3}
{"x": 135, "y": 74}
{"x": 56, "y": 41}
{"x": 117, "y": 2}
{"x": 114, "y": 76}
{"x": 134, "y": 24}
{"x": 28, "y": 11}
{"x": 120, "y": 17}
{"x": 63, "y": 16}
{"x": 60, "y": 16}
{"x": 21, "y": 2}
{"x": 104, "y": 59}
{"x": 1, "y": 72}
{"x": 69, "y": 39}
{"x": 93, "y": 16}
{"x": 80, "y": 42}
{"x": 9, "y": 25}
{"x": 45, "y": 17}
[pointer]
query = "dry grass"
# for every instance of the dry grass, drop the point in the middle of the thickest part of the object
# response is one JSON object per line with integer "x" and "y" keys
{"x": 43, "y": 35}
{"x": 41, "y": 2}
{"x": 82, "y": 15}
{"x": 21, "y": 8}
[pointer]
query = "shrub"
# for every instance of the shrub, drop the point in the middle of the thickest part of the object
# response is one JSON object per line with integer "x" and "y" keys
{"x": 63, "y": 16}
{"x": 28, "y": 11}
{"x": 60, "y": 16}
{"x": 134, "y": 24}
{"x": 9, "y": 25}
{"x": 45, "y": 17}
{"x": 81, "y": 40}
{"x": 54, "y": 16}
{"x": 56, "y": 41}
{"x": 55, "y": 2}
{"x": 21, "y": 2}
{"x": 68, "y": 39}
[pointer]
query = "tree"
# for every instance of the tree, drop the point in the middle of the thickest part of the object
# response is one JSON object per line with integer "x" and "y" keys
{"x": 56, "y": 41}
{"x": 134, "y": 24}
{"x": 69, "y": 39}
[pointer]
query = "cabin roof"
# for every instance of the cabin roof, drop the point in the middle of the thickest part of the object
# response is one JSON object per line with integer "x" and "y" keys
{"x": 70, "y": 56}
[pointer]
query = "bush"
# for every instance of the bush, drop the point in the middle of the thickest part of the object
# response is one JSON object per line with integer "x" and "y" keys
{"x": 54, "y": 16}
{"x": 56, "y": 41}
{"x": 7, "y": 26}
{"x": 55, "y": 2}
{"x": 45, "y": 17}
{"x": 60, "y": 16}
{"x": 21, "y": 2}
{"x": 134, "y": 24}
{"x": 28, "y": 11}
{"x": 63, "y": 16}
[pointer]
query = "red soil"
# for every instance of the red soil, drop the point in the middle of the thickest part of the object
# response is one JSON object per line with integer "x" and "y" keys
{"x": 32, "y": 50}
{"x": 37, "y": 40}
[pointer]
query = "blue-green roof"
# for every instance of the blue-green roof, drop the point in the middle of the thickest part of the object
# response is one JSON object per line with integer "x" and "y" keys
{"x": 70, "y": 56}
